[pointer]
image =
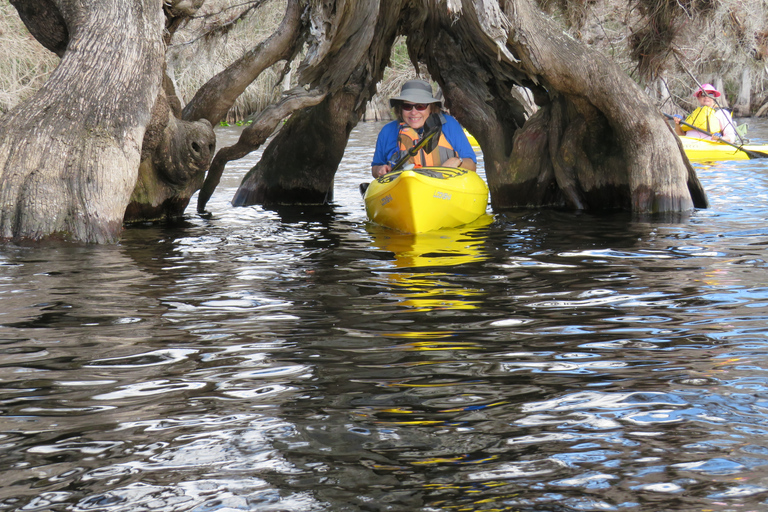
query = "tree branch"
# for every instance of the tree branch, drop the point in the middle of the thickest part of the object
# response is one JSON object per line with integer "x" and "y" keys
{"x": 216, "y": 97}
{"x": 45, "y": 22}
{"x": 254, "y": 136}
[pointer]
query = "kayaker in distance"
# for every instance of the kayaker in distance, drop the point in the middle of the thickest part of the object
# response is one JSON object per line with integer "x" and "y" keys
{"x": 708, "y": 117}
{"x": 412, "y": 108}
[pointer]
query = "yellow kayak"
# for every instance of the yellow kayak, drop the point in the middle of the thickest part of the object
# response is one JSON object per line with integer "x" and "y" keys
{"x": 699, "y": 150}
{"x": 471, "y": 138}
{"x": 426, "y": 198}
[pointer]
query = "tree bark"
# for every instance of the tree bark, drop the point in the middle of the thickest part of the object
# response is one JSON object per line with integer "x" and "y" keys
{"x": 288, "y": 175}
{"x": 597, "y": 141}
{"x": 216, "y": 97}
{"x": 45, "y": 22}
{"x": 175, "y": 153}
{"x": 252, "y": 137}
{"x": 349, "y": 50}
{"x": 173, "y": 171}
{"x": 744, "y": 100}
{"x": 69, "y": 156}
{"x": 104, "y": 141}
{"x": 606, "y": 144}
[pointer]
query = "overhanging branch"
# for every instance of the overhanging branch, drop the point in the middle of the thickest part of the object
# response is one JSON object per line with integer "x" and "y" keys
{"x": 254, "y": 136}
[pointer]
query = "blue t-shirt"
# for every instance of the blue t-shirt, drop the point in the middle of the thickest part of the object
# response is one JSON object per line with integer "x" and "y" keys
{"x": 387, "y": 143}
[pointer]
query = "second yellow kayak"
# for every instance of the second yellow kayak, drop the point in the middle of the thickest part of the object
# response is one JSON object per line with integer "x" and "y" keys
{"x": 471, "y": 138}
{"x": 699, "y": 150}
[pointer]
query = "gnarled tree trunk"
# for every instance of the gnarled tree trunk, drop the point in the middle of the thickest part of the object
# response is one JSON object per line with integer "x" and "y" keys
{"x": 106, "y": 140}
{"x": 597, "y": 142}
{"x": 350, "y": 50}
{"x": 215, "y": 98}
{"x": 175, "y": 155}
{"x": 69, "y": 156}
{"x": 175, "y": 152}
{"x": 288, "y": 175}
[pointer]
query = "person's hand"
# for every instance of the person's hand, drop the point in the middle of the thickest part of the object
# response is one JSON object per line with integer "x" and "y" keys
{"x": 678, "y": 118}
{"x": 454, "y": 161}
{"x": 717, "y": 136}
{"x": 380, "y": 170}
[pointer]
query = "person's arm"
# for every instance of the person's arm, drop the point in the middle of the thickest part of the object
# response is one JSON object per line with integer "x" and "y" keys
{"x": 464, "y": 163}
{"x": 386, "y": 140}
{"x": 729, "y": 132}
{"x": 466, "y": 158}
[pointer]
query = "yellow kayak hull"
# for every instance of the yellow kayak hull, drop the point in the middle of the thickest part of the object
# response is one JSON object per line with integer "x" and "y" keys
{"x": 699, "y": 150}
{"x": 426, "y": 199}
{"x": 471, "y": 138}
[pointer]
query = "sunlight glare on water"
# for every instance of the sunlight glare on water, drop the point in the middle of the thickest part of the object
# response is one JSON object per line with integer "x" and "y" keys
{"x": 301, "y": 358}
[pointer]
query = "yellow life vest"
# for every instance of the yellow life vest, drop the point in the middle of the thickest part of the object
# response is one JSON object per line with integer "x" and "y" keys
{"x": 408, "y": 137}
{"x": 704, "y": 119}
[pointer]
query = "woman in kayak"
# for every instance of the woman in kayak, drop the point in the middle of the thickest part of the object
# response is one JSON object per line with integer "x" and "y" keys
{"x": 412, "y": 108}
{"x": 708, "y": 117}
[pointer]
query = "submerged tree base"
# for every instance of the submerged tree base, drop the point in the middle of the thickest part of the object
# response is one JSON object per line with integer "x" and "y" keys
{"x": 127, "y": 151}
{"x": 593, "y": 144}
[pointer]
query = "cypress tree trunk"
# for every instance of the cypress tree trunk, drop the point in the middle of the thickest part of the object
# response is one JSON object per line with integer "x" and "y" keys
{"x": 69, "y": 156}
{"x": 349, "y": 54}
{"x": 299, "y": 165}
{"x": 597, "y": 142}
{"x": 104, "y": 127}
{"x": 744, "y": 100}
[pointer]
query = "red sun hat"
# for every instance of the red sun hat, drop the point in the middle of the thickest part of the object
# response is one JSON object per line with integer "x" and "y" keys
{"x": 709, "y": 89}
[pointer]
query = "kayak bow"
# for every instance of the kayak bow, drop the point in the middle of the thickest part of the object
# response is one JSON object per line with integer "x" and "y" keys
{"x": 427, "y": 198}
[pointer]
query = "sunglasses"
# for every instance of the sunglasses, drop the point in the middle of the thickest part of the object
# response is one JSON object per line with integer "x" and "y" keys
{"x": 419, "y": 106}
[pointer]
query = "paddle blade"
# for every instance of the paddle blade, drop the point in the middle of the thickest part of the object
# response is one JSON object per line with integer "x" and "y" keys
{"x": 432, "y": 139}
{"x": 754, "y": 154}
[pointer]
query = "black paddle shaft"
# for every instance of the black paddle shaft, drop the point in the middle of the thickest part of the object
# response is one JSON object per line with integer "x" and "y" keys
{"x": 750, "y": 153}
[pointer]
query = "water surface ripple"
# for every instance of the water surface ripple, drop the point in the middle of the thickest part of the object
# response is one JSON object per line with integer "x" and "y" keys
{"x": 303, "y": 359}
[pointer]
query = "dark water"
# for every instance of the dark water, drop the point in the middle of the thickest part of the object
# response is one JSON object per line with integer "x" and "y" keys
{"x": 301, "y": 359}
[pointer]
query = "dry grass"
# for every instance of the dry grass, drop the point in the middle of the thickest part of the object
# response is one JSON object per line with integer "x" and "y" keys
{"x": 194, "y": 58}
{"x": 24, "y": 64}
{"x": 400, "y": 70}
